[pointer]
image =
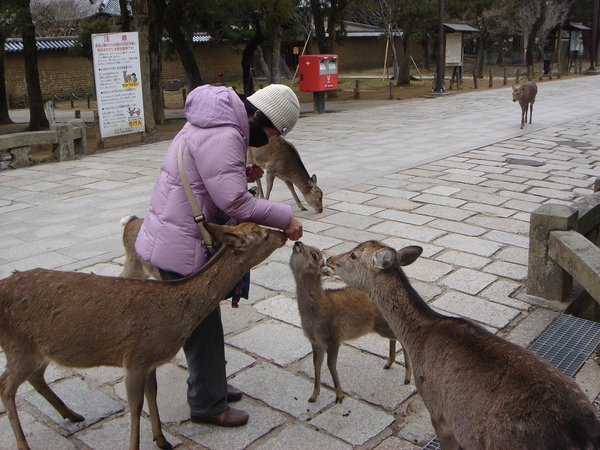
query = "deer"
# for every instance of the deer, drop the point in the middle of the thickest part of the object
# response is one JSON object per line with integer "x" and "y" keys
{"x": 525, "y": 94}
{"x": 279, "y": 158}
{"x": 135, "y": 266}
{"x": 331, "y": 316}
{"x": 76, "y": 319}
{"x": 481, "y": 391}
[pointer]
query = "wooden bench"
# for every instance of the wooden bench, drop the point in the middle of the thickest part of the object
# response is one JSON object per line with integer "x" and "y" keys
{"x": 67, "y": 139}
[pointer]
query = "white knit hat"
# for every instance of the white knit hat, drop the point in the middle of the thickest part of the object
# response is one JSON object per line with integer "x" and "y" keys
{"x": 279, "y": 103}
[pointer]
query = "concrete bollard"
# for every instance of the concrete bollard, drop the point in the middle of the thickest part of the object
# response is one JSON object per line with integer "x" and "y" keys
{"x": 545, "y": 278}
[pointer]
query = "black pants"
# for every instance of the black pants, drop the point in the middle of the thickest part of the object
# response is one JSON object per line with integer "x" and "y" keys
{"x": 205, "y": 354}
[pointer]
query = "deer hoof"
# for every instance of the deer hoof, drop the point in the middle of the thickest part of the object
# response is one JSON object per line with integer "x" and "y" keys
{"x": 339, "y": 399}
{"x": 162, "y": 442}
{"x": 387, "y": 365}
{"x": 312, "y": 399}
{"x": 406, "y": 381}
{"x": 74, "y": 417}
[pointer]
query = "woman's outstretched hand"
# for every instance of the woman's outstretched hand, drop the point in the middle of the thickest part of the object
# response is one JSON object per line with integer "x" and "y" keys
{"x": 293, "y": 230}
{"x": 253, "y": 173}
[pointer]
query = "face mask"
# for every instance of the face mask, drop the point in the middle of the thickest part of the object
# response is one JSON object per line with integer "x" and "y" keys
{"x": 258, "y": 137}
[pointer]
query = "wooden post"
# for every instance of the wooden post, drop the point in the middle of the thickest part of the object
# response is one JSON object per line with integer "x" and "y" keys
{"x": 78, "y": 114}
{"x": 356, "y": 89}
{"x": 89, "y": 99}
{"x": 504, "y": 77}
{"x": 541, "y": 77}
{"x": 474, "y": 80}
{"x": 491, "y": 84}
{"x": 72, "y": 98}
{"x": 517, "y": 75}
{"x": 391, "y": 91}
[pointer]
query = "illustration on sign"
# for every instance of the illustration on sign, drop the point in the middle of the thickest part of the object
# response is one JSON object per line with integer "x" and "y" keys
{"x": 118, "y": 85}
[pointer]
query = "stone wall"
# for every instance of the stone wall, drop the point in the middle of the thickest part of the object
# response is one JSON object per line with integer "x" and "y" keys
{"x": 61, "y": 74}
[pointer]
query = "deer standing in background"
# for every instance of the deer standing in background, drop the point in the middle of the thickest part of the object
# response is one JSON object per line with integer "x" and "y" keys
{"x": 482, "y": 392}
{"x": 76, "y": 319}
{"x": 332, "y": 316}
{"x": 280, "y": 159}
{"x": 525, "y": 94}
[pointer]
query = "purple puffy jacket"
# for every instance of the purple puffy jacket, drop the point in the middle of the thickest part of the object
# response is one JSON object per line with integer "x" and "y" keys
{"x": 214, "y": 141}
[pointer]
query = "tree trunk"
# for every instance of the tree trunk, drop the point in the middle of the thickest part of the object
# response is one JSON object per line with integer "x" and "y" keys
{"x": 263, "y": 64}
{"x": 125, "y": 19}
{"x": 404, "y": 61}
{"x": 141, "y": 21}
{"x": 480, "y": 58}
{"x": 37, "y": 116}
{"x": 4, "y": 116}
{"x": 315, "y": 7}
{"x": 154, "y": 44}
{"x": 247, "y": 58}
{"x": 535, "y": 28}
{"x": 275, "y": 50}
{"x": 186, "y": 55}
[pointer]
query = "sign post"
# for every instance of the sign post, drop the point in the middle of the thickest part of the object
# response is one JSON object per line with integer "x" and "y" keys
{"x": 118, "y": 81}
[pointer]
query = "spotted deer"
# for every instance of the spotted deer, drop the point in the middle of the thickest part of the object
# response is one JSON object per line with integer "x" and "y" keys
{"x": 279, "y": 158}
{"x": 525, "y": 95}
{"x": 481, "y": 391}
{"x": 84, "y": 320}
{"x": 332, "y": 316}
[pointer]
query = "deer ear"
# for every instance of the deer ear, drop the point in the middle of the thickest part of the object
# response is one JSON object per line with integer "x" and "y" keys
{"x": 234, "y": 240}
{"x": 384, "y": 258}
{"x": 409, "y": 255}
{"x": 314, "y": 178}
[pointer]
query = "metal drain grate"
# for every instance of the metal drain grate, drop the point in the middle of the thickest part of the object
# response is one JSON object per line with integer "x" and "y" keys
{"x": 566, "y": 343}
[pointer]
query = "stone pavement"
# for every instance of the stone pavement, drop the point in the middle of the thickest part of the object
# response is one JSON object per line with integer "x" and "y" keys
{"x": 450, "y": 174}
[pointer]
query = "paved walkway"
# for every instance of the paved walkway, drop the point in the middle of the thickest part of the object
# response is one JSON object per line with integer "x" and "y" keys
{"x": 443, "y": 173}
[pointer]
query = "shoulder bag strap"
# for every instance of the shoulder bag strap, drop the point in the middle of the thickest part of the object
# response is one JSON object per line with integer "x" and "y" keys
{"x": 193, "y": 201}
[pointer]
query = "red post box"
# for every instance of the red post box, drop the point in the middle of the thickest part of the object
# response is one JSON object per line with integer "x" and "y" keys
{"x": 318, "y": 73}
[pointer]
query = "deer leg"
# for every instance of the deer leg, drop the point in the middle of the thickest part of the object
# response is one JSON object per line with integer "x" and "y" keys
{"x": 150, "y": 393}
{"x": 318, "y": 356}
{"x": 530, "y": 112}
{"x": 260, "y": 189}
{"x": 332, "y": 354}
{"x": 391, "y": 354}
{"x": 135, "y": 380}
{"x": 407, "y": 367}
{"x": 293, "y": 191}
{"x": 270, "y": 179}
{"x": 39, "y": 383}
{"x": 13, "y": 376}
{"x": 523, "y": 117}
{"x": 445, "y": 435}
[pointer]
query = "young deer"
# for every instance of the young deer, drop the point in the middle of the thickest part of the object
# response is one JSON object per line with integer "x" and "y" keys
{"x": 280, "y": 159}
{"x": 331, "y": 316}
{"x": 85, "y": 320}
{"x": 482, "y": 392}
{"x": 525, "y": 94}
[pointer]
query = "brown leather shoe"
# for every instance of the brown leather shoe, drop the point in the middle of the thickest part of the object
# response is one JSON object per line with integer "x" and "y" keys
{"x": 233, "y": 394}
{"x": 231, "y": 417}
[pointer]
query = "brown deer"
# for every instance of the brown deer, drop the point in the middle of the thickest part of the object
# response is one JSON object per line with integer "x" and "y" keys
{"x": 135, "y": 266}
{"x": 279, "y": 158}
{"x": 525, "y": 94}
{"x": 481, "y": 391}
{"x": 332, "y": 316}
{"x": 85, "y": 320}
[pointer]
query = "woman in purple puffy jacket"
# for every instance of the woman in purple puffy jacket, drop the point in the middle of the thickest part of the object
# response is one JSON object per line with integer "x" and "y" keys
{"x": 219, "y": 129}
